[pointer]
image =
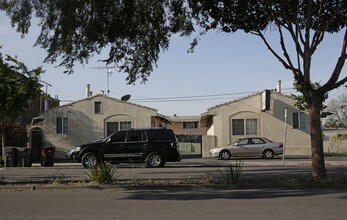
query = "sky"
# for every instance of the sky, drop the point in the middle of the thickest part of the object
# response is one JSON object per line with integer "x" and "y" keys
{"x": 223, "y": 67}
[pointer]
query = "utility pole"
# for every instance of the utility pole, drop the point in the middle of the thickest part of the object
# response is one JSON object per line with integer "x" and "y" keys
{"x": 285, "y": 134}
{"x": 108, "y": 74}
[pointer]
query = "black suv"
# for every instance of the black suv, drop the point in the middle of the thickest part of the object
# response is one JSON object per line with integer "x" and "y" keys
{"x": 154, "y": 146}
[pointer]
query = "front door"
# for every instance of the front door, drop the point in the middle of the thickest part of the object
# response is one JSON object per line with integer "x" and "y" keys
{"x": 36, "y": 143}
{"x": 115, "y": 147}
{"x": 241, "y": 148}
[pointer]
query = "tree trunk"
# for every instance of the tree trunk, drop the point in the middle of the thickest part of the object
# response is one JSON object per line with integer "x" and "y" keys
{"x": 3, "y": 140}
{"x": 317, "y": 153}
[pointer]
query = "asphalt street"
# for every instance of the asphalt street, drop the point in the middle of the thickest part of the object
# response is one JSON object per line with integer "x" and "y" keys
{"x": 185, "y": 170}
{"x": 256, "y": 203}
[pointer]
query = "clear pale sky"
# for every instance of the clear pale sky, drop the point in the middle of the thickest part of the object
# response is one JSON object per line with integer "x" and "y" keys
{"x": 235, "y": 64}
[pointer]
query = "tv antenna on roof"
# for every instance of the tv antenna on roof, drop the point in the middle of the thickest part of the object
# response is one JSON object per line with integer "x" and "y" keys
{"x": 109, "y": 73}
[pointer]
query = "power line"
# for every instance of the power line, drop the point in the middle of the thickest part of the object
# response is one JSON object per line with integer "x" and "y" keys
{"x": 191, "y": 97}
{"x": 197, "y": 97}
{"x": 221, "y": 96}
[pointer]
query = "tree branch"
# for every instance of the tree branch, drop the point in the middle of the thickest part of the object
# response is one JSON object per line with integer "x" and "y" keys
{"x": 297, "y": 72}
{"x": 307, "y": 50}
{"x": 332, "y": 82}
{"x": 284, "y": 49}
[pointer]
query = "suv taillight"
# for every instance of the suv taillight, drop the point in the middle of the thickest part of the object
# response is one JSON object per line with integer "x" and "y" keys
{"x": 281, "y": 145}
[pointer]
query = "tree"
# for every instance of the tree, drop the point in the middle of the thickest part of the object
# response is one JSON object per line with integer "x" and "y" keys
{"x": 18, "y": 87}
{"x": 306, "y": 22}
{"x": 136, "y": 31}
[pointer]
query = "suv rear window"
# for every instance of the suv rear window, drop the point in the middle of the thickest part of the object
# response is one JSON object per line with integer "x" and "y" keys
{"x": 161, "y": 135}
{"x": 136, "y": 136}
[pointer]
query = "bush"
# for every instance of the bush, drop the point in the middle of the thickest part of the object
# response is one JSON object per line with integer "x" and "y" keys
{"x": 232, "y": 172}
{"x": 103, "y": 173}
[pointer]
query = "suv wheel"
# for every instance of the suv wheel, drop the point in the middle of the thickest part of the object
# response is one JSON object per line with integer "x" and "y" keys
{"x": 89, "y": 159}
{"x": 154, "y": 159}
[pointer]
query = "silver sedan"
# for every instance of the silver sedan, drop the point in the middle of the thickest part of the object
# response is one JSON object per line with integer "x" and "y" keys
{"x": 251, "y": 146}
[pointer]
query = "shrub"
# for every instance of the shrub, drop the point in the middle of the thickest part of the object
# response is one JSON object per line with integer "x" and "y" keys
{"x": 103, "y": 173}
{"x": 232, "y": 172}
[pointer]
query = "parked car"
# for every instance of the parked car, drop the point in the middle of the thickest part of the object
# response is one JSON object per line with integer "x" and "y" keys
{"x": 250, "y": 146}
{"x": 154, "y": 146}
{"x": 70, "y": 155}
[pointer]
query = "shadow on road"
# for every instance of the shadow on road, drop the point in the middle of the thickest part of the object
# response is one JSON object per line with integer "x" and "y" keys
{"x": 241, "y": 194}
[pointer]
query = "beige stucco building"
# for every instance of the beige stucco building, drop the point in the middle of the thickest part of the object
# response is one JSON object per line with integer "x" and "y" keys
{"x": 261, "y": 114}
{"x": 92, "y": 118}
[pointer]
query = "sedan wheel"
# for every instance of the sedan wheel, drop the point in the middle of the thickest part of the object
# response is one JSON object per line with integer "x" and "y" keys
{"x": 89, "y": 160}
{"x": 268, "y": 154}
{"x": 154, "y": 160}
{"x": 225, "y": 155}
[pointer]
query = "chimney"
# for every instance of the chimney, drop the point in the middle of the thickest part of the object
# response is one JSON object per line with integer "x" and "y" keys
{"x": 88, "y": 91}
{"x": 278, "y": 89}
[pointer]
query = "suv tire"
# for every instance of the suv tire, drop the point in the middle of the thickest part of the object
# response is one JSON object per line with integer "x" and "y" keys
{"x": 155, "y": 159}
{"x": 89, "y": 159}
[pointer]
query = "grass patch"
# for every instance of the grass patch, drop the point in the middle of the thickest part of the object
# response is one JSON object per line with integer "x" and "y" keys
{"x": 57, "y": 178}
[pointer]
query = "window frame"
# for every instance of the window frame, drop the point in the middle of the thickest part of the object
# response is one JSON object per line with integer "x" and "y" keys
{"x": 120, "y": 126}
{"x": 62, "y": 125}
{"x": 299, "y": 120}
{"x": 98, "y": 107}
{"x": 249, "y": 126}
{"x": 191, "y": 125}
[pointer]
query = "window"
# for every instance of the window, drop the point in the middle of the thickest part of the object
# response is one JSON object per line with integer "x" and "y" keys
{"x": 243, "y": 142}
{"x": 112, "y": 127}
{"x": 136, "y": 136}
{"x": 97, "y": 107}
{"x": 119, "y": 136}
{"x": 124, "y": 125}
{"x": 244, "y": 126}
{"x": 257, "y": 141}
{"x": 238, "y": 126}
{"x": 62, "y": 125}
{"x": 190, "y": 125}
{"x": 299, "y": 120}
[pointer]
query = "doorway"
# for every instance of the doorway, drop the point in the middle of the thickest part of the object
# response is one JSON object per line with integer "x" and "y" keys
{"x": 36, "y": 143}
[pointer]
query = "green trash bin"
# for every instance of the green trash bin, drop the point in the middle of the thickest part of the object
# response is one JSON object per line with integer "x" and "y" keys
{"x": 47, "y": 156}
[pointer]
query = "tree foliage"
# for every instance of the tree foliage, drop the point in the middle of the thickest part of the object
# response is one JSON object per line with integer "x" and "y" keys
{"x": 18, "y": 87}
{"x": 133, "y": 31}
{"x": 305, "y": 21}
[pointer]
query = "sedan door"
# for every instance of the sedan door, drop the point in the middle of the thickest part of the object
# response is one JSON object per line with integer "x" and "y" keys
{"x": 240, "y": 148}
{"x": 255, "y": 147}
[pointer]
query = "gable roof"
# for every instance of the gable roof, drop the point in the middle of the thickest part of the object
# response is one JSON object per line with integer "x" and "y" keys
{"x": 107, "y": 97}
